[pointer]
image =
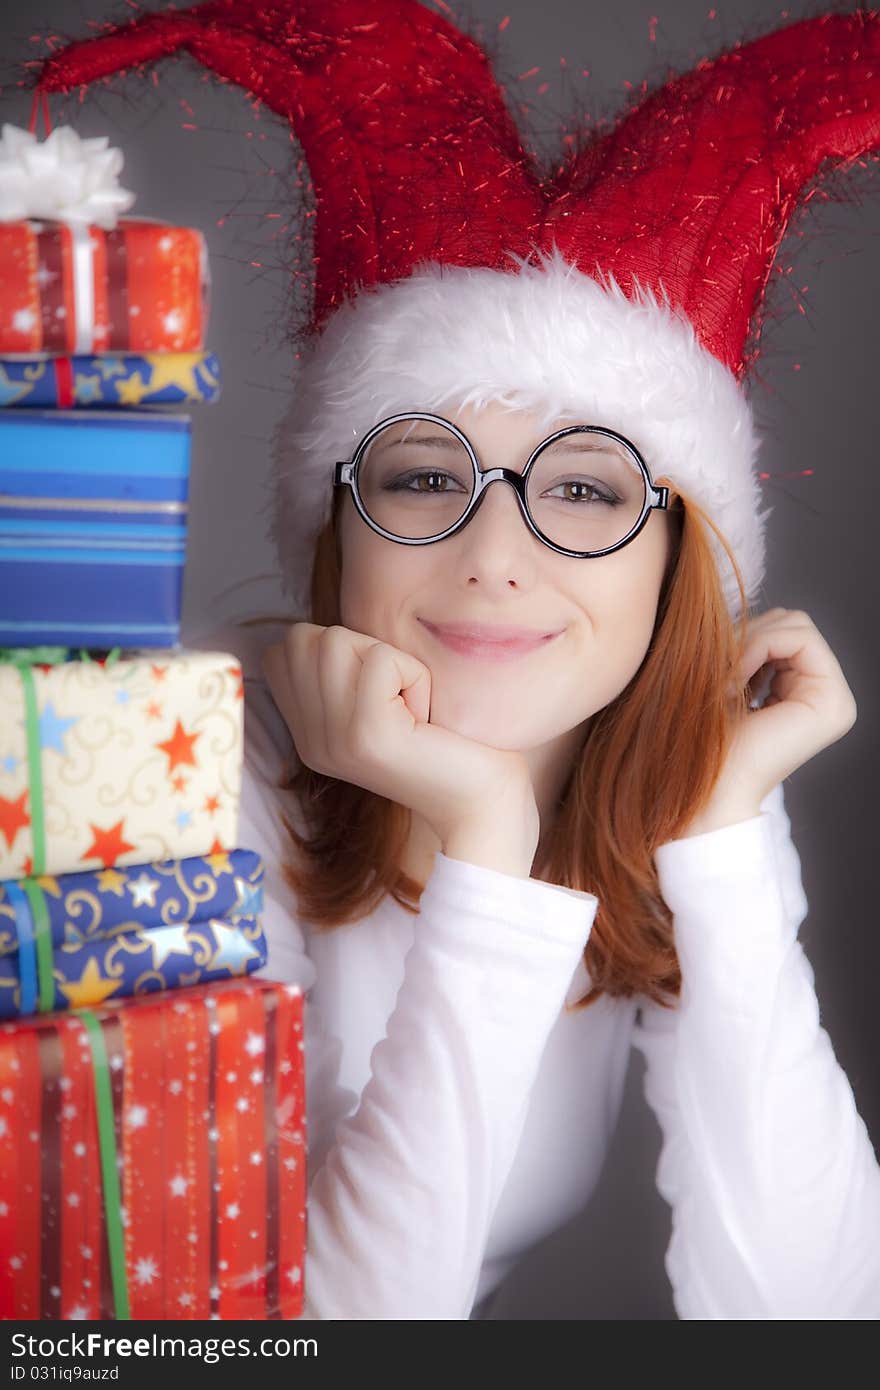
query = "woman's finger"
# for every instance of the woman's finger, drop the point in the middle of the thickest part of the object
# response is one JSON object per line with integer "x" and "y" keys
{"x": 276, "y": 669}
{"x": 802, "y": 647}
{"x": 339, "y": 658}
{"x": 392, "y": 684}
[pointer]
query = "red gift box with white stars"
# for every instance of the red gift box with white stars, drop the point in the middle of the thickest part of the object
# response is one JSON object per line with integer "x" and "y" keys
{"x": 65, "y": 289}
{"x": 109, "y": 763}
{"x": 205, "y": 1107}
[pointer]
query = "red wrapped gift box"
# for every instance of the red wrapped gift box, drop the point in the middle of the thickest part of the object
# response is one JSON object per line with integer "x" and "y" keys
{"x": 203, "y": 1103}
{"x": 67, "y": 289}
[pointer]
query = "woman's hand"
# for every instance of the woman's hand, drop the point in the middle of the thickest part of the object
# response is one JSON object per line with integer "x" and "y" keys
{"x": 359, "y": 710}
{"x": 809, "y": 706}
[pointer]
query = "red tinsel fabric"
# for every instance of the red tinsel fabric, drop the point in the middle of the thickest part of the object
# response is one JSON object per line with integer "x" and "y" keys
{"x": 414, "y": 156}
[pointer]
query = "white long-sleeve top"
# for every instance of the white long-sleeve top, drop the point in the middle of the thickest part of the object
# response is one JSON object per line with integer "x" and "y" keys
{"x": 457, "y": 1114}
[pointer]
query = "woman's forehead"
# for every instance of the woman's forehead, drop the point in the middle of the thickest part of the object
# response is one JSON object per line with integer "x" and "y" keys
{"x": 497, "y": 423}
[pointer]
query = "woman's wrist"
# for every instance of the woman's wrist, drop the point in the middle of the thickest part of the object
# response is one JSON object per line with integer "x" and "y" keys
{"x": 719, "y": 817}
{"x": 503, "y": 841}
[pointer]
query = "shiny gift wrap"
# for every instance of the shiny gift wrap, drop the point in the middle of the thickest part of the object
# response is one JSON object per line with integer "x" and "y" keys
{"x": 93, "y": 519}
{"x": 153, "y": 378}
{"x": 156, "y": 1152}
{"x": 104, "y": 764}
{"x": 71, "y": 289}
{"x": 79, "y": 939}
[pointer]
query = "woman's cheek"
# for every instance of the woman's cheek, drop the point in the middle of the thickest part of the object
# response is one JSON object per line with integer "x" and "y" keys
{"x": 486, "y": 705}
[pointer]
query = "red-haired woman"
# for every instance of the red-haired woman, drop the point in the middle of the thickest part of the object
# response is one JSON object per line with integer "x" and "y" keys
{"x": 538, "y": 815}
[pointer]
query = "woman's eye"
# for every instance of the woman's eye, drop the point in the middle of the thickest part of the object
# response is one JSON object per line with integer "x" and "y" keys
{"x": 432, "y": 481}
{"x": 578, "y": 490}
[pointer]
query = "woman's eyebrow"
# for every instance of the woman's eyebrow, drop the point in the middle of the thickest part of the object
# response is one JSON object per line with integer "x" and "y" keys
{"x": 584, "y": 446}
{"x": 443, "y": 441}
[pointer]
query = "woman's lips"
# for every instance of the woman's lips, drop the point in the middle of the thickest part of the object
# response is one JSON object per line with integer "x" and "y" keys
{"x": 483, "y": 650}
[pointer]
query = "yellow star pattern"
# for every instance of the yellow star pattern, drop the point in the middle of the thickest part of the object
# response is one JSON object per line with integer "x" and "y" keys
{"x": 91, "y": 987}
{"x": 219, "y": 862}
{"x": 132, "y": 391}
{"x": 177, "y": 369}
{"x": 166, "y": 369}
{"x": 111, "y": 881}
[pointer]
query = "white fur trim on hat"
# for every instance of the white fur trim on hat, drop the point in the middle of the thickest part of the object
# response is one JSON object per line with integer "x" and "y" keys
{"x": 546, "y": 338}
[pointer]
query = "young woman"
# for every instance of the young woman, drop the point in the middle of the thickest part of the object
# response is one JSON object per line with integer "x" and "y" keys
{"x": 494, "y": 872}
{"x": 535, "y": 810}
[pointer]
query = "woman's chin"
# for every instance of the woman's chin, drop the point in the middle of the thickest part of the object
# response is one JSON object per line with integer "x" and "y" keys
{"x": 485, "y": 724}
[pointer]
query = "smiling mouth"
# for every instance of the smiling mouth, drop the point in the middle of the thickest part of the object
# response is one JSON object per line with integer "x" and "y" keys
{"x": 483, "y": 649}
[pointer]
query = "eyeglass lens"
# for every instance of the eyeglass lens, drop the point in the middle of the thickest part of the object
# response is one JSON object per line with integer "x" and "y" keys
{"x": 585, "y": 491}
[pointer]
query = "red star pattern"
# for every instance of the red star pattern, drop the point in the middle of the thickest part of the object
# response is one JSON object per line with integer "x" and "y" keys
{"x": 178, "y": 782}
{"x": 13, "y": 817}
{"x": 159, "y": 672}
{"x": 212, "y": 804}
{"x": 153, "y": 710}
{"x": 179, "y": 747}
{"x": 235, "y": 672}
{"x": 108, "y": 845}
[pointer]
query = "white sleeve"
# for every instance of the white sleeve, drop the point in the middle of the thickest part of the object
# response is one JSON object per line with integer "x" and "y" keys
{"x": 768, "y": 1167}
{"x": 403, "y": 1190}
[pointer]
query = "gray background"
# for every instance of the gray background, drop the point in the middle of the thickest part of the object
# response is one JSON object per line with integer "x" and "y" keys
{"x": 236, "y": 167}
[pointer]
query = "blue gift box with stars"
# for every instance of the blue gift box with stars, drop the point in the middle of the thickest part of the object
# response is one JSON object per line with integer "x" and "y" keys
{"x": 78, "y": 939}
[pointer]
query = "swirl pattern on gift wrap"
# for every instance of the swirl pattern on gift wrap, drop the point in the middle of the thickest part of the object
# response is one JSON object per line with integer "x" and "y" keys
{"x": 146, "y": 748}
{"x": 197, "y": 889}
{"x": 136, "y": 960}
{"x": 76, "y": 903}
{"x": 214, "y": 686}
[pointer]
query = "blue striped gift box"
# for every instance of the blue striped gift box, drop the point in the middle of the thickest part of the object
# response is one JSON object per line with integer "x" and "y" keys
{"x": 93, "y": 515}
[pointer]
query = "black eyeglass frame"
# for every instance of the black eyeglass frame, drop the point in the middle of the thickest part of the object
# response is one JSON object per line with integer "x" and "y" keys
{"x": 345, "y": 475}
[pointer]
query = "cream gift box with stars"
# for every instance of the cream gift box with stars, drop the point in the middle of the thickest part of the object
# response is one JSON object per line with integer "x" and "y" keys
{"x": 118, "y": 762}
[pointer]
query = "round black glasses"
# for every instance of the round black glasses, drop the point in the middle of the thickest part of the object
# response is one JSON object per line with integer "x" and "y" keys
{"x": 585, "y": 490}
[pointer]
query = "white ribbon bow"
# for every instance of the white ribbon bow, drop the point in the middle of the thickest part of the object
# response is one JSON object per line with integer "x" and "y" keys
{"x": 62, "y": 178}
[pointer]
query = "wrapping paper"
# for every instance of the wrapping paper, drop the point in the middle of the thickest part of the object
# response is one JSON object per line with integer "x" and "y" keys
{"x": 93, "y": 522}
{"x": 153, "y": 378}
{"x": 195, "y": 1206}
{"x": 82, "y": 938}
{"x": 142, "y": 960}
{"x": 74, "y": 289}
{"x": 105, "y": 764}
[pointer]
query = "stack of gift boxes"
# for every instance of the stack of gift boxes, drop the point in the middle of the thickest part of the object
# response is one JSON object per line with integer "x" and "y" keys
{"x": 151, "y": 1096}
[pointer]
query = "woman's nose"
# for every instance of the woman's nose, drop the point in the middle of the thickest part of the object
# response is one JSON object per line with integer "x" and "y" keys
{"x": 499, "y": 506}
{"x": 496, "y": 544}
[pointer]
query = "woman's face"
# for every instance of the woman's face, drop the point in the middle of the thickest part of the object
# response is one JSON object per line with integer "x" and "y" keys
{"x": 495, "y": 571}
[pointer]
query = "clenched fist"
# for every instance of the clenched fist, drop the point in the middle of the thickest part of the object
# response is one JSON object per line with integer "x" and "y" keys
{"x": 359, "y": 710}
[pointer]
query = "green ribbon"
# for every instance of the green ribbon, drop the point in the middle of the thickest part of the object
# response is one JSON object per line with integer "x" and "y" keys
{"x": 24, "y": 659}
{"x": 35, "y": 768}
{"x": 52, "y": 656}
{"x": 109, "y": 1169}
